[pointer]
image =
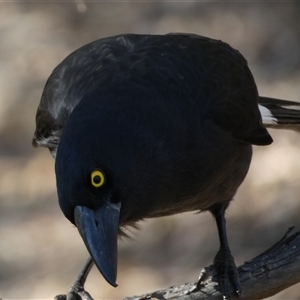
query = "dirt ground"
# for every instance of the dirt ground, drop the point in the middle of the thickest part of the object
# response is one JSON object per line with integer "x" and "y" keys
{"x": 40, "y": 251}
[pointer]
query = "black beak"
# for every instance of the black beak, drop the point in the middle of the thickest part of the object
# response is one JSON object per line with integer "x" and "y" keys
{"x": 99, "y": 231}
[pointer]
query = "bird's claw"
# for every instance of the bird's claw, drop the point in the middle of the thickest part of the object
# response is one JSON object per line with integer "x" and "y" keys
{"x": 77, "y": 292}
{"x": 225, "y": 270}
{"x": 227, "y": 273}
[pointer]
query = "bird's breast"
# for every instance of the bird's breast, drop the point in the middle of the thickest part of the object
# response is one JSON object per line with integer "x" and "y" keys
{"x": 195, "y": 179}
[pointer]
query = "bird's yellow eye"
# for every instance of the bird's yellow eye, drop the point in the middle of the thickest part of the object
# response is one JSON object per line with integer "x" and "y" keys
{"x": 97, "y": 178}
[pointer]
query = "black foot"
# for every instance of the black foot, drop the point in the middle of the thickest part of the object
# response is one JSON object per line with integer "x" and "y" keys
{"x": 224, "y": 262}
{"x": 77, "y": 291}
{"x": 227, "y": 273}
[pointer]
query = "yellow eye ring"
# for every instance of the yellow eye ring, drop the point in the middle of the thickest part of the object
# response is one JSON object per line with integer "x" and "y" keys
{"x": 97, "y": 178}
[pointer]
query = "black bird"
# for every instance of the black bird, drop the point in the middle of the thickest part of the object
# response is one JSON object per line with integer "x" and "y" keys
{"x": 145, "y": 126}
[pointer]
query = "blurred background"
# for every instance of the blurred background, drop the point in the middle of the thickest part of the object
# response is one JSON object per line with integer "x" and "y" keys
{"x": 41, "y": 253}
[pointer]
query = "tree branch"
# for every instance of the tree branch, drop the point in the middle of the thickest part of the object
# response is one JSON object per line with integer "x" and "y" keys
{"x": 265, "y": 275}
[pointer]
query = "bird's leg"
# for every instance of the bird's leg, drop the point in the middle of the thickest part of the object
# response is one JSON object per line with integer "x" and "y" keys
{"x": 224, "y": 261}
{"x": 77, "y": 291}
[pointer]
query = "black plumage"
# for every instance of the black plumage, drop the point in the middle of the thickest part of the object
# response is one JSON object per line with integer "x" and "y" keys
{"x": 168, "y": 122}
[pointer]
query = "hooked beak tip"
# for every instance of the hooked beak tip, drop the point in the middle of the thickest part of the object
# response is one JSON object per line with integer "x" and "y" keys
{"x": 99, "y": 231}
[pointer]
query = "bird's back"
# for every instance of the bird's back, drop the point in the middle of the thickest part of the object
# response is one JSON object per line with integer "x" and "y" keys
{"x": 205, "y": 75}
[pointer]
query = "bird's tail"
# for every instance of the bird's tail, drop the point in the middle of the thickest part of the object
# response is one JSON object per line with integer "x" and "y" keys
{"x": 279, "y": 114}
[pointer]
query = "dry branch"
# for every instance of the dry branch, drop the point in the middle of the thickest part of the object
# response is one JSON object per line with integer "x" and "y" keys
{"x": 265, "y": 275}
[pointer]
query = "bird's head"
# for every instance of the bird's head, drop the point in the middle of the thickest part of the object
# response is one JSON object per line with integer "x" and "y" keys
{"x": 87, "y": 193}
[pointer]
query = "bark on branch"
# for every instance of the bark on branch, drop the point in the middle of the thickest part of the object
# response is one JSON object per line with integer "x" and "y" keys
{"x": 265, "y": 275}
